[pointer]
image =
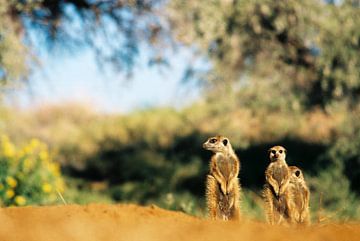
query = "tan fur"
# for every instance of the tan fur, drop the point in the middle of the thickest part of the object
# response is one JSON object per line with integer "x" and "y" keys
{"x": 222, "y": 184}
{"x": 300, "y": 195}
{"x": 276, "y": 192}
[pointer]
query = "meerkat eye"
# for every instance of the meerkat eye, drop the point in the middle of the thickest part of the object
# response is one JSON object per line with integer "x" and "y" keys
{"x": 281, "y": 151}
{"x": 225, "y": 142}
{"x": 212, "y": 140}
{"x": 273, "y": 151}
{"x": 297, "y": 173}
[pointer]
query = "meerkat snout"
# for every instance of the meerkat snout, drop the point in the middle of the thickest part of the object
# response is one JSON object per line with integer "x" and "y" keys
{"x": 217, "y": 144}
{"x": 209, "y": 143}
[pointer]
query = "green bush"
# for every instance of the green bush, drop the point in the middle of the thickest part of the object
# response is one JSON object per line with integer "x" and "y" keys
{"x": 336, "y": 187}
{"x": 252, "y": 204}
{"x": 28, "y": 175}
{"x": 332, "y": 197}
{"x": 184, "y": 201}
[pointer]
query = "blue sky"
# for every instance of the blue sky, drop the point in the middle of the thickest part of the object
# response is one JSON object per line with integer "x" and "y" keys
{"x": 76, "y": 78}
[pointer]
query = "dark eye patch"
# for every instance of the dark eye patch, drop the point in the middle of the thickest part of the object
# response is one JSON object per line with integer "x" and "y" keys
{"x": 225, "y": 142}
{"x": 281, "y": 151}
{"x": 297, "y": 173}
{"x": 273, "y": 151}
{"x": 213, "y": 140}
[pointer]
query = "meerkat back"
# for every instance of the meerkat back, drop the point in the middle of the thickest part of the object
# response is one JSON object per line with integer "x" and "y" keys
{"x": 301, "y": 196}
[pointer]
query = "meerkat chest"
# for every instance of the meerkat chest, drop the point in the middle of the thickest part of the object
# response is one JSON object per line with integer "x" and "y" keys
{"x": 280, "y": 172}
{"x": 225, "y": 164}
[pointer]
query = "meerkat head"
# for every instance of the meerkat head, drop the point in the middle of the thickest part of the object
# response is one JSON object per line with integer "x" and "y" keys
{"x": 296, "y": 173}
{"x": 277, "y": 153}
{"x": 217, "y": 144}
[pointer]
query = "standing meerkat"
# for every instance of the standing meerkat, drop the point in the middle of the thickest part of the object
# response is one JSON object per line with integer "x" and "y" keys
{"x": 222, "y": 185}
{"x": 276, "y": 190}
{"x": 300, "y": 195}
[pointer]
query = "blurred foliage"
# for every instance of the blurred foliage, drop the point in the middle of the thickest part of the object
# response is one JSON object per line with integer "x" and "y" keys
{"x": 252, "y": 204}
{"x": 345, "y": 151}
{"x": 181, "y": 201}
{"x": 113, "y": 29}
{"x": 13, "y": 53}
{"x": 332, "y": 197}
{"x": 28, "y": 175}
{"x": 155, "y": 157}
{"x": 304, "y": 52}
{"x": 336, "y": 186}
{"x": 81, "y": 191}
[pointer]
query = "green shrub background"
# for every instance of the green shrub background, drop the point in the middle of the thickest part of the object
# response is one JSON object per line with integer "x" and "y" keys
{"x": 155, "y": 156}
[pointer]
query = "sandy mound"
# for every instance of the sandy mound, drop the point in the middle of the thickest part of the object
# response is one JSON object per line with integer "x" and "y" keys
{"x": 130, "y": 222}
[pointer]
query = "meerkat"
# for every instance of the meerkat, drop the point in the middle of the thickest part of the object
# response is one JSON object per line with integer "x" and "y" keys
{"x": 222, "y": 184}
{"x": 276, "y": 190}
{"x": 300, "y": 195}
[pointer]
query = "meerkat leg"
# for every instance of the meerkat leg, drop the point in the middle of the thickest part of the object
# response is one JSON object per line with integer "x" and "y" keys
{"x": 269, "y": 205}
{"x": 284, "y": 185}
{"x": 233, "y": 186}
{"x": 211, "y": 196}
{"x": 305, "y": 214}
{"x": 236, "y": 200}
{"x": 290, "y": 208}
{"x": 280, "y": 219}
{"x": 305, "y": 217}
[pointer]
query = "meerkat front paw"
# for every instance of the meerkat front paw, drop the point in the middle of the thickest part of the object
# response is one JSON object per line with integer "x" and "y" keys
{"x": 224, "y": 188}
{"x": 277, "y": 191}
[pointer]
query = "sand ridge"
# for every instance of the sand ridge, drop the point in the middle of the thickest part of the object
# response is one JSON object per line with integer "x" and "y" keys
{"x": 131, "y": 222}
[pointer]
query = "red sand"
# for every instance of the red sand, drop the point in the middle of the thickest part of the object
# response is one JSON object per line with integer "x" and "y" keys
{"x": 131, "y": 222}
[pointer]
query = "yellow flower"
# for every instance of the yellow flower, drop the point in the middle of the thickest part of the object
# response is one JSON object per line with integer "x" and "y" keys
{"x": 4, "y": 138}
{"x": 28, "y": 163}
{"x": 34, "y": 143}
{"x": 44, "y": 155}
{"x": 59, "y": 184}
{"x": 46, "y": 187}
{"x": 27, "y": 150}
{"x": 11, "y": 182}
{"x": 1, "y": 186}
{"x": 20, "y": 200}
{"x": 55, "y": 169}
{"x": 8, "y": 148}
{"x": 9, "y": 193}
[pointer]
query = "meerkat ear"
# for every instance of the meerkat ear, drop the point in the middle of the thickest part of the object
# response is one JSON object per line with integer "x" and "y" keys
{"x": 285, "y": 151}
{"x": 225, "y": 142}
{"x": 297, "y": 173}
